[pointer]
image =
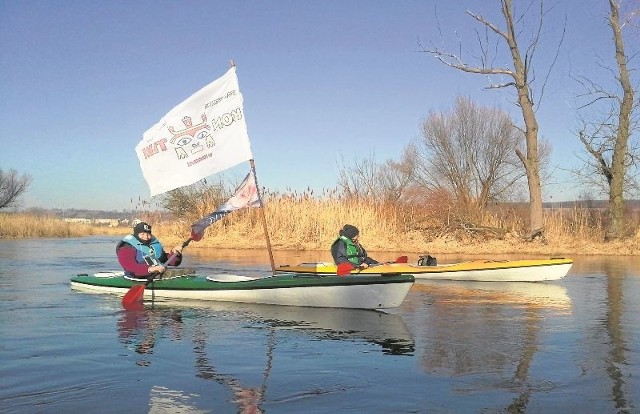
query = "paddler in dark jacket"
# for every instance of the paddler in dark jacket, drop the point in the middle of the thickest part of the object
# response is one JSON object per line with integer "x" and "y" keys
{"x": 347, "y": 249}
{"x": 141, "y": 254}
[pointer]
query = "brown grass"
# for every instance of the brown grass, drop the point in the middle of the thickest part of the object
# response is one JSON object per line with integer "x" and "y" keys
{"x": 25, "y": 226}
{"x": 302, "y": 222}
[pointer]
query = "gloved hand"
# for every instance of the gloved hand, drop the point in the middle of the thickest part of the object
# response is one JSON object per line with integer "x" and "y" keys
{"x": 156, "y": 269}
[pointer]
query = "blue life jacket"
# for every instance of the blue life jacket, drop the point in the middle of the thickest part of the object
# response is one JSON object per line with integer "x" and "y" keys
{"x": 146, "y": 253}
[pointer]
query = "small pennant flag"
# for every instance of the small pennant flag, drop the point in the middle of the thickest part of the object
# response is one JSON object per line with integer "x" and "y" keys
{"x": 246, "y": 195}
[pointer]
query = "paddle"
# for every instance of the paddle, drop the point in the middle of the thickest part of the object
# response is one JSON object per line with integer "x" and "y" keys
{"x": 136, "y": 292}
{"x": 344, "y": 269}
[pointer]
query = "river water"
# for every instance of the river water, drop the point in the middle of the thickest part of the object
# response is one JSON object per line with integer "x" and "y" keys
{"x": 567, "y": 346}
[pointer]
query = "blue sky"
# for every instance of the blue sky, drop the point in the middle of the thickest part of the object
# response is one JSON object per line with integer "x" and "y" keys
{"x": 324, "y": 83}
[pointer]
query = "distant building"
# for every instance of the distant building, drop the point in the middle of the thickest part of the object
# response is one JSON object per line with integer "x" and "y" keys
{"x": 78, "y": 220}
{"x": 106, "y": 222}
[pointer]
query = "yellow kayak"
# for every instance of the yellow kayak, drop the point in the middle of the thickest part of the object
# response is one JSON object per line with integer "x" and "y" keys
{"x": 528, "y": 270}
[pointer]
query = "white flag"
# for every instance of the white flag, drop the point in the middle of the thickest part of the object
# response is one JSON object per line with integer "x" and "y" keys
{"x": 203, "y": 135}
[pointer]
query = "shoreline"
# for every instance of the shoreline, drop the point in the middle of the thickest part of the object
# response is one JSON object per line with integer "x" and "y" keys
{"x": 413, "y": 243}
{"x": 627, "y": 247}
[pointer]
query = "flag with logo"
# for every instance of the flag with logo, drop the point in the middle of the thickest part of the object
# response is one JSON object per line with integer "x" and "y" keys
{"x": 201, "y": 136}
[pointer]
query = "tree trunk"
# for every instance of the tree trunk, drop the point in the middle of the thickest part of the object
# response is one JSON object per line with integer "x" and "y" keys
{"x": 615, "y": 227}
{"x": 531, "y": 161}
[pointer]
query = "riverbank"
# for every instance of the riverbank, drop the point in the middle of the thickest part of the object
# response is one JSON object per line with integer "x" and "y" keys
{"x": 416, "y": 245}
{"x": 243, "y": 232}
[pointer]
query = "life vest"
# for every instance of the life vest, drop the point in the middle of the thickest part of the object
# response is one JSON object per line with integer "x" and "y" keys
{"x": 355, "y": 253}
{"x": 145, "y": 253}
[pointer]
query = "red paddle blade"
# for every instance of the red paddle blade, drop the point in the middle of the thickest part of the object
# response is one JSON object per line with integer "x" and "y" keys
{"x": 135, "y": 307}
{"x": 344, "y": 269}
{"x": 196, "y": 236}
{"x": 133, "y": 296}
{"x": 402, "y": 259}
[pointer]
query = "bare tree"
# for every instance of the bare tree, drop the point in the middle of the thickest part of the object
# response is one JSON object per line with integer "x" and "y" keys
{"x": 386, "y": 182}
{"x": 395, "y": 177}
{"x": 606, "y": 138}
{"x": 471, "y": 152}
{"x": 12, "y": 186}
{"x": 358, "y": 178}
{"x": 520, "y": 76}
{"x": 195, "y": 200}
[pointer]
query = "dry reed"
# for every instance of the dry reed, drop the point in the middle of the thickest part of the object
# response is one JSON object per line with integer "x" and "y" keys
{"x": 24, "y": 226}
{"x": 304, "y": 222}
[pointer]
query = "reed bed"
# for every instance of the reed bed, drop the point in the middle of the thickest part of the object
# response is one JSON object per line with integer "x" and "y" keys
{"x": 25, "y": 226}
{"x": 304, "y": 222}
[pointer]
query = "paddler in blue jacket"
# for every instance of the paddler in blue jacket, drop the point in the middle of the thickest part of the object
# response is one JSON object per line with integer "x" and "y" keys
{"x": 347, "y": 249}
{"x": 141, "y": 254}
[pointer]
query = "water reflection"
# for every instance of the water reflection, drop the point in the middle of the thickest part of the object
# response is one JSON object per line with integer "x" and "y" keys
{"x": 518, "y": 294}
{"x": 628, "y": 265}
{"x": 490, "y": 328}
{"x": 384, "y": 329}
{"x": 615, "y": 332}
{"x": 611, "y": 284}
{"x": 573, "y": 347}
{"x": 247, "y": 399}
{"x": 141, "y": 330}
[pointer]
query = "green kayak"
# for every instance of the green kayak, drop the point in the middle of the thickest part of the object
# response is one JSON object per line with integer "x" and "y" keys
{"x": 291, "y": 289}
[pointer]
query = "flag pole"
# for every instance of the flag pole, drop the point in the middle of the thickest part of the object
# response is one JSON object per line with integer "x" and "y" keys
{"x": 232, "y": 63}
{"x": 264, "y": 218}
